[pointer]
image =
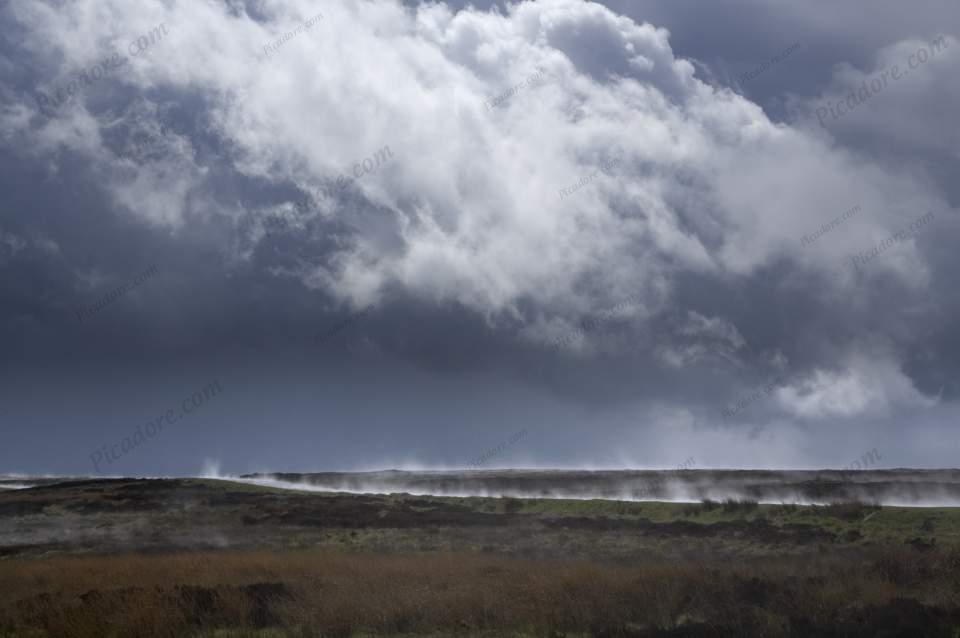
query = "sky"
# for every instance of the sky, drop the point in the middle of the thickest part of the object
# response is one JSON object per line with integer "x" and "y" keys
{"x": 268, "y": 235}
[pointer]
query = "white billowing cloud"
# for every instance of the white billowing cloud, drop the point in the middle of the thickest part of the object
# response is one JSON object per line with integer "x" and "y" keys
{"x": 703, "y": 181}
{"x": 863, "y": 386}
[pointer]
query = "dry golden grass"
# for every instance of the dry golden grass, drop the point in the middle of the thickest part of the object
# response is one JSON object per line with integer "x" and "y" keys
{"x": 312, "y": 593}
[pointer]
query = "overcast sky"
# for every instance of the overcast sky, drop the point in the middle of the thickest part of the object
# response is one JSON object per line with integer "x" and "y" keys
{"x": 396, "y": 234}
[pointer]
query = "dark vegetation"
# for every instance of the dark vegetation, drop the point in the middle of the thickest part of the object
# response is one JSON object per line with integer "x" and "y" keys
{"x": 153, "y": 558}
{"x": 890, "y": 592}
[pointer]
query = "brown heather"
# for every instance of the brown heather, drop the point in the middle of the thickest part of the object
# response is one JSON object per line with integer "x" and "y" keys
{"x": 902, "y": 591}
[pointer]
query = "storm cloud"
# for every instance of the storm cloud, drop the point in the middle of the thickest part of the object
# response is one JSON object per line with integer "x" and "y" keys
{"x": 419, "y": 313}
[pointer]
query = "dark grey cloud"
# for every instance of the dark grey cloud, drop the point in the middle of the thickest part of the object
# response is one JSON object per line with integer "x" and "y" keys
{"x": 426, "y": 312}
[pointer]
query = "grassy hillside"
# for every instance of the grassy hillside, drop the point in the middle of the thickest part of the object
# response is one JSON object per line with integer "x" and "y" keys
{"x": 151, "y": 558}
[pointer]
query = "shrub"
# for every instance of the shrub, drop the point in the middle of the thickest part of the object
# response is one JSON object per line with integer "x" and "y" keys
{"x": 512, "y": 505}
{"x": 849, "y": 510}
{"x": 734, "y": 505}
